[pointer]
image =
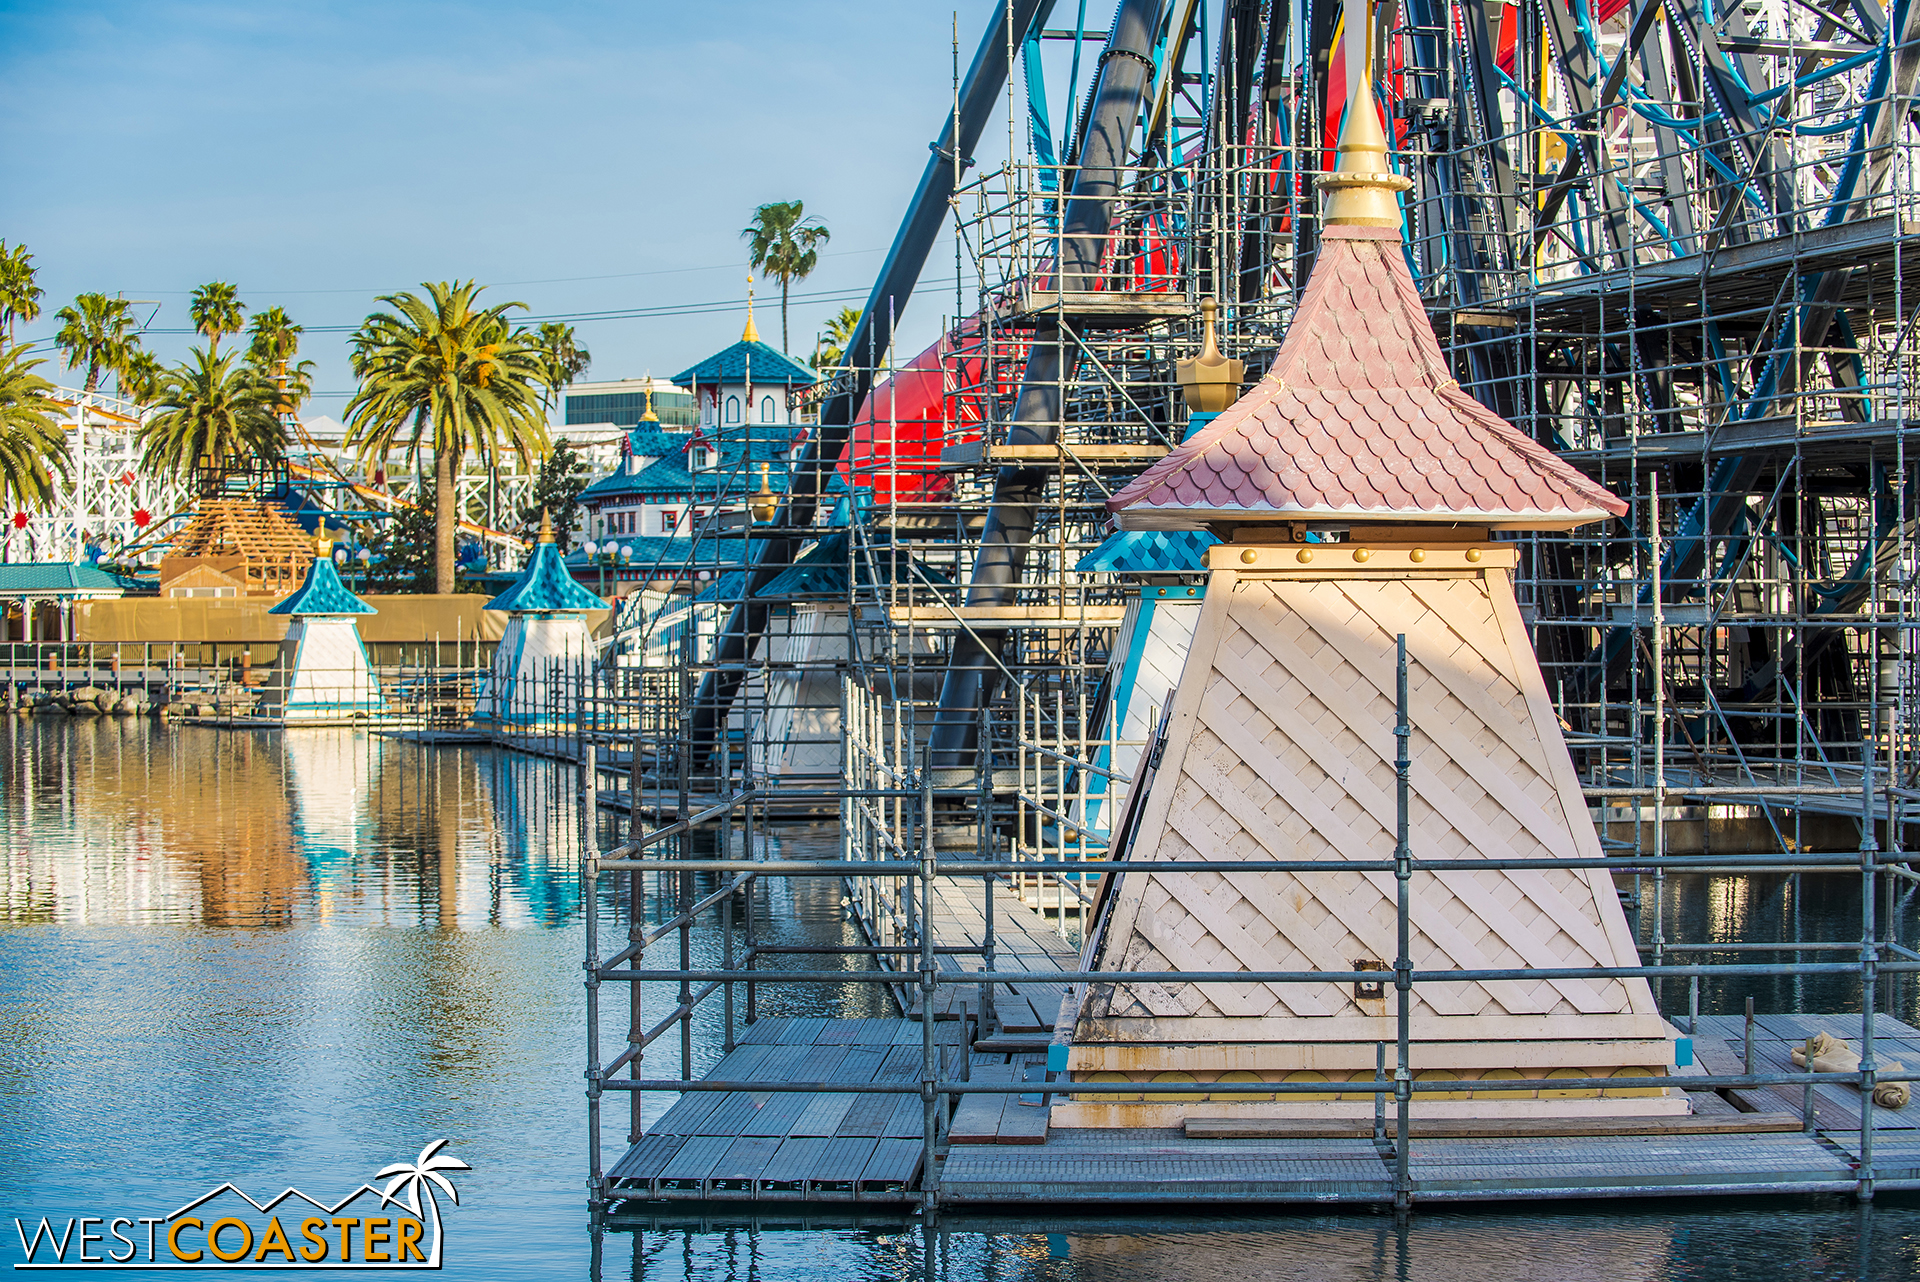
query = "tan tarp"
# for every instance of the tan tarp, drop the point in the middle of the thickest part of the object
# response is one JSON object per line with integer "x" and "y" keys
{"x": 411, "y": 619}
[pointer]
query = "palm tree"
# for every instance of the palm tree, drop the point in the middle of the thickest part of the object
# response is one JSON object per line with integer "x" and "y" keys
{"x": 275, "y": 343}
{"x": 784, "y": 244}
{"x": 562, "y": 358}
{"x": 444, "y": 373}
{"x": 217, "y": 311}
{"x": 215, "y": 415}
{"x": 410, "y": 1179}
{"x": 33, "y": 445}
{"x": 19, "y": 295}
{"x": 96, "y": 332}
{"x": 832, "y": 346}
{"x": 141, "y": 377}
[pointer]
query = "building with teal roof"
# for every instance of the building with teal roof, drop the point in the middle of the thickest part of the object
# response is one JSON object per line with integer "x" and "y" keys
{"x": 748, "y": 425}
{"x": 37, "y": 597}
{"x": 322, "y": 675}
{"x": 548, "y": 641}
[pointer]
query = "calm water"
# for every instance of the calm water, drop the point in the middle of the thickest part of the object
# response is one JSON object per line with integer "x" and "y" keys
{"x": 292, "y": 960}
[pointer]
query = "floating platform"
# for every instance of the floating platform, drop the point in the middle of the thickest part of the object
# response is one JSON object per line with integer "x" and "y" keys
{"x": 820, "y": 1146}
{"x": 440, "y": 738}
{"x": 824, "y": 1146}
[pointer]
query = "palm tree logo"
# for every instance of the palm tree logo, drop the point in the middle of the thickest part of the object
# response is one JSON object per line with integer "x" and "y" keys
{"x": 423, "y": 1174}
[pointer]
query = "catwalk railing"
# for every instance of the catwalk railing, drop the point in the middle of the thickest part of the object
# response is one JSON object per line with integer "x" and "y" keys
{"x": 891, "y": 868}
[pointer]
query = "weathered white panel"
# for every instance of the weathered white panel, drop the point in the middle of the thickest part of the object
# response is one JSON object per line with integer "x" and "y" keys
{"x": 321, "y": 673}
{"x": 537, "y": 653}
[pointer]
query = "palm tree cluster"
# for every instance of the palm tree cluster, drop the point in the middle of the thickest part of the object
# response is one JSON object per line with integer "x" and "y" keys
{"x": 830, "y": 348}
{"x": 33, "y": 445}
{"x": 439, "y": 373}
{"x": 784, "y": 243}
{"x": 447, "y": 375}
{"x": 218, "y": 414}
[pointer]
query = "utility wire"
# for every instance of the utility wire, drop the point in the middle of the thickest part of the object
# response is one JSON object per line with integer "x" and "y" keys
{"x": 637, "y": 313}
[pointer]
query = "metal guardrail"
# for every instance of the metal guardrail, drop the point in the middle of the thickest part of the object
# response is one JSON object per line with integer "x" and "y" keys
{"x": 913, "y": 867}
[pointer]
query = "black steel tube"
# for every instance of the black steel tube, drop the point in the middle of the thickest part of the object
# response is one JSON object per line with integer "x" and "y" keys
{"x": 979, "y": 93}
{"x": 969, "y": 978}
{"x": 1126, "y": 76}
{"x": 1358, "y": 1085}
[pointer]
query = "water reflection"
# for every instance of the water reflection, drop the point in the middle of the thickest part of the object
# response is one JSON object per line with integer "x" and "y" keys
{"x": 291, "y": 959}
{"x": 1705, "y": 1241}
{"x": 1797, "y": 908}
{"x": 125, "y": 821}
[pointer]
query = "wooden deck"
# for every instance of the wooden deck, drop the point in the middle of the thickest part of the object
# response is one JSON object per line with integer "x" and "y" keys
{"x": 823, "y": 1147}
{"x": 1022, "y": 941}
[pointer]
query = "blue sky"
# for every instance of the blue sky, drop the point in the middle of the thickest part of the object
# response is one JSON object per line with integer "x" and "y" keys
{"x": 580, "y": 157}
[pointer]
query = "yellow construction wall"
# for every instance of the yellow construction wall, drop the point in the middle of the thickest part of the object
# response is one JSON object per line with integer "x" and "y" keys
{"x": 413, "y": 619}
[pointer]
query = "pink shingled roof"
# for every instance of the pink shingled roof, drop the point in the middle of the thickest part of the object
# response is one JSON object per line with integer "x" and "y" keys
{"x": 1360, "y": 418}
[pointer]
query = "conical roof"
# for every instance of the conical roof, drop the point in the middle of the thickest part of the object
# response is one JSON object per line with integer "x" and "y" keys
{"x": 545, "y": 586}
{"x": 322, "y": 593}
{"x": 1358, "y": 418}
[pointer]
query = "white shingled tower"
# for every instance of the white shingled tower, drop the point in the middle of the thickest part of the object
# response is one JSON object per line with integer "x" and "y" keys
{"x": 1357, "y": 489}
{"x": 545, "y": 640}
{"x": 322, "y": 674}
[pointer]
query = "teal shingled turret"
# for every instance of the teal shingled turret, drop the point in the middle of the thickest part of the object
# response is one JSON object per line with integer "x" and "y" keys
{"x": 545, "y": 586}
{"x": 323, "y": 592}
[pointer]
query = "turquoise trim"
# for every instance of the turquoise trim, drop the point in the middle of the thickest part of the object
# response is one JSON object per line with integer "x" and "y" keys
{"x": 1150, "y": 599}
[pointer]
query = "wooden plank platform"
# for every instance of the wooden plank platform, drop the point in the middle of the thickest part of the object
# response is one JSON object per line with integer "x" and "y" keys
{"x": 1022, "y": 941}
{"x": 867, "y": 1148}
{"x": 1720, "y": 1045}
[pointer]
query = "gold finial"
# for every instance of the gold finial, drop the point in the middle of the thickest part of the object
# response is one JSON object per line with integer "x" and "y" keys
{"x": 750, "y": 334}
{"x": 1210, "y": 381}
{"x": 649, "y": 416}
{"x": 766, "y": 504}
{"x": 1361, "y": 188}
{"x": 546, "y": 527}
{"x": 322, "y": 542}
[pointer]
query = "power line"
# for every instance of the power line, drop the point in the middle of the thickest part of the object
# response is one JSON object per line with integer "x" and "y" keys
{"x": 550, "y": 280}
{"x": 641, "y": 313}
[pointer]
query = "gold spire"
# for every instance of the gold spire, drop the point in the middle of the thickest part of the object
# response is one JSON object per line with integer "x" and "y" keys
{"x": 1361, "y": 188}
{"x": 650, "y": 416}
{"x": 750, "y": 334}
{"x": 322, "y": 542}
{"x": 764, "y": 502}
{"x": 546, "y": 527}
{"x": 1210, "y": 381}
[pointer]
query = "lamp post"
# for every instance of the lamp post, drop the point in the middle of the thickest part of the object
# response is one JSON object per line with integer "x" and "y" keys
{"x": 592, "y": 550}
{"x": 613, "y": 552}
{"x": 364, "y": 557}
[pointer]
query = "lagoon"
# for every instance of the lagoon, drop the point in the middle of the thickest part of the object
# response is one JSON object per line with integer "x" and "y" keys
{"x": 292, "y": 959}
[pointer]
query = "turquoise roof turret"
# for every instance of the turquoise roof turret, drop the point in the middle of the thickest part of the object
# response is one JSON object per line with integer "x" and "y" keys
{"x": 323, "y": 592}
{"x": 545, "y": 586}
{"x": 748, "y": 357}
{"x": 1155, "y": 551}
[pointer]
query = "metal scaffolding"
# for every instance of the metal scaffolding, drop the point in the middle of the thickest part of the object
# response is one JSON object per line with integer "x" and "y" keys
{"x": 1663, "y": 238}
